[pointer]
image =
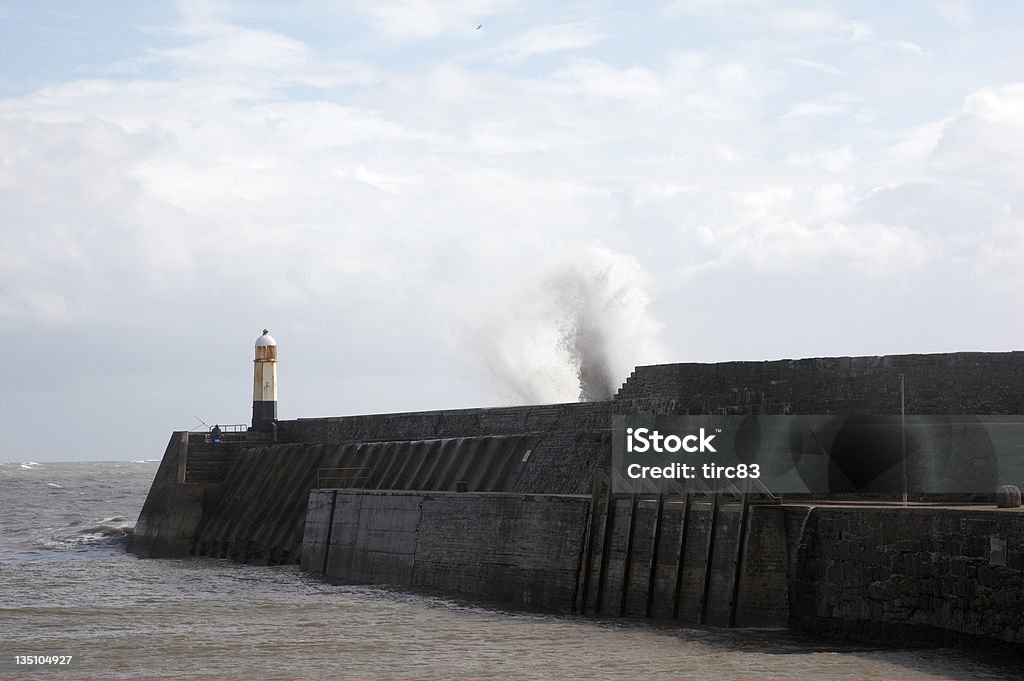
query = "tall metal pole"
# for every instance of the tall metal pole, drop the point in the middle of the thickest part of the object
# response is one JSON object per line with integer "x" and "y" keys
{"x": 903, "y": 433}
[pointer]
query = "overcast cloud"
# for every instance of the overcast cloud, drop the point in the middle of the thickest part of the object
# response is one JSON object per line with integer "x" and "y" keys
{"x": 392, "y": 191}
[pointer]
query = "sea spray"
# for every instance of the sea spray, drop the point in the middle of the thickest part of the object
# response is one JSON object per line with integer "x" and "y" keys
{"x": 574, "y": 334}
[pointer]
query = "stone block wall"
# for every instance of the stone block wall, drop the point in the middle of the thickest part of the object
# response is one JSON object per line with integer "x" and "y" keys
{"x": 173, "y": 509}
{"x": 954, "y": 383}
{"x": 528, "y": 550}
{"x": 909, "y": 576}
{"x": 572, "y": 439}
{"x": 659, "y": 558}
{"x": 208, "y": 462}
{"x": 517, "y": 548}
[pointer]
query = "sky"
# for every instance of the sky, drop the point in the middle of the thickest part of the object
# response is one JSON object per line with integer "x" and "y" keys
{"x": 430, "y": 203}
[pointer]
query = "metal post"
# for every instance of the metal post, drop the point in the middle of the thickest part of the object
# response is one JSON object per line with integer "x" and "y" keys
{"x": 681, "y": 556}
{"x": 655, "y": 541}
{"x": 588, "y": 551}
{"x": 330, "y": 532}
{"x": 737, "y": 564}
{"x": 709, "y": 558}
{"x": 903, "y": 434}
{"x": 606, "y": 543}
{"x": 627, "y": 565}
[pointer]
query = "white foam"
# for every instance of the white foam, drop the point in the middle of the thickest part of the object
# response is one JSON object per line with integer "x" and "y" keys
{"x": 574, "y": 334}
{"x": 29, "y": 465}
{"x": 54, "y": 485}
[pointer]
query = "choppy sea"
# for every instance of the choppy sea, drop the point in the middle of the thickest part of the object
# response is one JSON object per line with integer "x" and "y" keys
{"x": 69, "y": 588}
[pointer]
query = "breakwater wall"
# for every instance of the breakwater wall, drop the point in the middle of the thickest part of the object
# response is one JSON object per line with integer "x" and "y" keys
{"x": 256, "y": 510}
{"x": 512, "y": 548}
{"x": 882, "y": 574}
{"x": 177, "y": 503}
{"x": 951, "y": 383}
{"x": 703, "y": 560}
{"x": 572, "y": 439}
{"x": 548, "y": 551}
{"x": 517, "y": 481}
{"x": 907, "y": 576}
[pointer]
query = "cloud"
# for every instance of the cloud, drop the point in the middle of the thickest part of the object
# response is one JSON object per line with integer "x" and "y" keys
{"x": 956, "y": 13}
{"x": 705, "y": 7}
{"x": 817, "y": 66}
{"x": 830, "y": 105}
{"x": 257, "y": 56}
{"x": 547, "y": 39}
{"x": 363, "y": 199}
{"x": 903, "y": 46}
{"x": 422, "y": 19}
{"x": 806, "y": 20}
{"x": 831, "y": 160}
{"x": 594, "y": 78}
{"x": 985, "y": 139}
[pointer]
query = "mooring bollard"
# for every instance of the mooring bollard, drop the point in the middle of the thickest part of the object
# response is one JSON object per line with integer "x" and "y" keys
{"x": 1008, "y": 496}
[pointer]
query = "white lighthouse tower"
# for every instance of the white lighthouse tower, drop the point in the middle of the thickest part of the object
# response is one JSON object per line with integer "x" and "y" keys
{"x": 264, "y": 383}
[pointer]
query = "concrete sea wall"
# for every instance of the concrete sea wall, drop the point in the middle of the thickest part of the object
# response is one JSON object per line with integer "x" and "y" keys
{"x": 175, "y": 508}
{"x": 530, "y": 550}
{"x": 669, "y": 565}
{"x": 247, "y": 501}
{"x": 514, "y": 548}
{"x": 905, "y": 576}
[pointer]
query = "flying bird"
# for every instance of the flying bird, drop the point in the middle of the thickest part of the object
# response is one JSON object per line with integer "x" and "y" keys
{"x": 479, "y": 26}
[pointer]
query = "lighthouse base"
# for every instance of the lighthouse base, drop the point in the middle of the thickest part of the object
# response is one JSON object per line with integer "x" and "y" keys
{"x": 264, "y": 413}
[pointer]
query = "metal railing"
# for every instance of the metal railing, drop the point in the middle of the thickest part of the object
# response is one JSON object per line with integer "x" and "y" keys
{"x": 342, "y": 477}
{"x": 234, "y": 432}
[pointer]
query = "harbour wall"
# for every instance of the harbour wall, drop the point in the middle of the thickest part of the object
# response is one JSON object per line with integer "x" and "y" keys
{"x": 905, "y": 576}
{"x": 950, "y": 383}
{"x": 246, "y": 500}
{"x": 707, "y": 561}
{"x": 572, "y": 439}
{"x": 524, "y": 470}
{"x": 511, "y": 548}
{"x": 879, "y": 574}
{"x": 174, "y": 509}
{"x": 541, "y": 551}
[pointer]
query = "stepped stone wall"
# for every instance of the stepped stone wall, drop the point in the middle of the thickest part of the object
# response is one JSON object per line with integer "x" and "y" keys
{"x": 173, "y": 508}
{"x": 207, "y": 462}
{"x": 262, "y": 513}
{"x": 954, "y": 383}
{"x": 572, "y": 439}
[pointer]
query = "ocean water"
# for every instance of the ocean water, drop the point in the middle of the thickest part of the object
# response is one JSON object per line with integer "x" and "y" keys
{"x": 68, "y": 587}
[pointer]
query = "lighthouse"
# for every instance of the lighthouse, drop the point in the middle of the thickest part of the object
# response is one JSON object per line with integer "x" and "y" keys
{"x": 264, "y": 383}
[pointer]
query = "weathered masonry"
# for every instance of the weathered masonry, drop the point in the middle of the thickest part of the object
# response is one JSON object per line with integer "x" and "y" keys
{"x": 626, "y": 556}
{"x": 500, "y": 504}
